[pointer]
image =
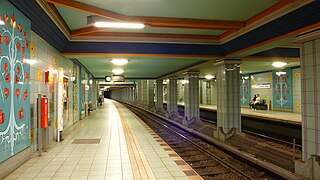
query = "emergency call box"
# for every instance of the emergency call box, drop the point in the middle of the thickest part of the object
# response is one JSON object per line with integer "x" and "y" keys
{"x": 44, "y": 112}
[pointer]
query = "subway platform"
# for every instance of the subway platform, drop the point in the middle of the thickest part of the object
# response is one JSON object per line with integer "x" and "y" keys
{"x": 278, "y": 116}
{"x": 112, "y": 144}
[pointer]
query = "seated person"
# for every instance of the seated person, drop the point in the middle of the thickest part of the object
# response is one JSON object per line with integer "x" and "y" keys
{"x": 252, "y": 101}
{"x": 257, "y": 101}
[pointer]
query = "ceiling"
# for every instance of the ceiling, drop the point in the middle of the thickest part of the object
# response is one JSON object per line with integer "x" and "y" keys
{"x": 248, "y": 66}
{"x": 138, "y": 67}
{"x": 210, "y": 22}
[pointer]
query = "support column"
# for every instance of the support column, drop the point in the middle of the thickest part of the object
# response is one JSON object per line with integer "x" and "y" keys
{"x": 159, "y": 93}
{"x": 144, "y": 92}
{"x": 191, "y": 97}
{"x": 139, "y": 93}
{"x": 228, "y": 105}
{"x": 172, "y": 103}
{"x": 150, "y": 92}
{"x": 310, "y": 98}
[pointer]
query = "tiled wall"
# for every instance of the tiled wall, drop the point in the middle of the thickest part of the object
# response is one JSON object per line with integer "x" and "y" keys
{"x": 261, "y": 79}
{"x": 47, "y": 59}
{"x": 296, "y": 86}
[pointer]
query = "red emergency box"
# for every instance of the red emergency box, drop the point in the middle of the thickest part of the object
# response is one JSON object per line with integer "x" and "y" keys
{"x": 44, "y": 112}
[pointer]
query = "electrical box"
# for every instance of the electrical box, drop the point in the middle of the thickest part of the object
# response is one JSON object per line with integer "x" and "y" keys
{"x": 44, "y": 112}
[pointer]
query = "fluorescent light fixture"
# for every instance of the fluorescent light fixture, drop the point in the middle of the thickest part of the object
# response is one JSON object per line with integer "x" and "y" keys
{"x": 209, "y": 77}
{"x": 118, "y": 71}
{"x": 31, "y": 61}
{"x": 280, "y": 73}
{"x": 1, "y": 22}
{"x": 119, "y": 62}
{"x": 119, "y": 25}
{"x": 279, "y": 64}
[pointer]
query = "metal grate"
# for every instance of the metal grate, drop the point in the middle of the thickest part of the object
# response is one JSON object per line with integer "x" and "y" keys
{"x": 86, "y": 141}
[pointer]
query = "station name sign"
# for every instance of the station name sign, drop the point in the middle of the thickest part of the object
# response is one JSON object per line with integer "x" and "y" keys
{"x": 261, "y": 86}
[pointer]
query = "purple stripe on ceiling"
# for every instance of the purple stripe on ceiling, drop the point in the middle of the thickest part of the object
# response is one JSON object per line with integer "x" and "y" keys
{"x": 304, "y": 119}
{"x": 315, "y": 94}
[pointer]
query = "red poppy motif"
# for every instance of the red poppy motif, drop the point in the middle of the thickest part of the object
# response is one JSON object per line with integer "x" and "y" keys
{"x": 6, "y": 17}
{"x": 2, "y": 117}
{"x": 0, "y": 50}
{"x": 17, "y": 79}
{"x": 25, "y": 34}
{"x": 13, "y": 21}
{"x": 25, "y": 94}
{"x": 20, "y": 27}
{"x": 18, "y": 46}
{"x": 17, "y": 93}
{"x": 5, "y": 66}
{"x": 27, "y": 43}
{"x": 27, "y": 77}
{"x": 7, "y": 78}
{"x": 6, "y": 40}
{"x": 6, "y": 92}
{"x": 22, "y": 49}
{"x": 284, "y": 97}
{"x": 18, "y": 70}
{"x": 0, "y": 38}
{"x": 21, "y": 113}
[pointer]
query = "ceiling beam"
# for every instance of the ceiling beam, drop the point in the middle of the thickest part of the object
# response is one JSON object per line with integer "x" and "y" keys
{"x": 152, "y": 21}
{"x": 151, "y": 35}
{"x": 86, "y": 30}
{"x": 89, "y": 9}
{"x": 269, "y": 10}
{"x": 164, "y": 22}
{"x": 56, "y": 12}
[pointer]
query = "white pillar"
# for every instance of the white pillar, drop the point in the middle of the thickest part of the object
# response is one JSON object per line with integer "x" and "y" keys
{"x": 191, "y": 97}
{"x": 150, "y": 92}
{"x": 159, "y": 93}
{"x": 172, "y": 103}
{"x": 228, "y": 105}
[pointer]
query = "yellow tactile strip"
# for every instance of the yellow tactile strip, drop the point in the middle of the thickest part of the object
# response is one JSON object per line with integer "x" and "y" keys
{"x": 139, "y": 163}
{"x": 174, "y": 156}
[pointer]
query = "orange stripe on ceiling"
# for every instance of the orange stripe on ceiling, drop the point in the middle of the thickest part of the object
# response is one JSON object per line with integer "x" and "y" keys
{"x": 317, "y": 25}
{"x": 273, "y": 57}
{"x": 151, "y": 21}
{"x": 151, "y": 35}
{"x": 227, "y": 33}
{"x": 269, "y": 10}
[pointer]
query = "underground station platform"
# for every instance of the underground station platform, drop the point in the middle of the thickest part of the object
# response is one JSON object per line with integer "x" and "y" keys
{"x": 109, "y": 89}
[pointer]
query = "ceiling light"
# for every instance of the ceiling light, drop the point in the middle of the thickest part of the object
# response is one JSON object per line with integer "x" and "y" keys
{"x": 1, "y": 22}
{"x": 279, "y": 64}
{"x": 119, "y": 62}
{"x": 241, "y": 72}
{"x": 119, "y": 25}
{"x": 209, "y": 77}
{"x": 117, "y": 71}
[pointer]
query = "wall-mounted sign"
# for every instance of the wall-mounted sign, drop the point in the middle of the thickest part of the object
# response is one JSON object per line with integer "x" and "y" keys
{"x": 261, "y": 86}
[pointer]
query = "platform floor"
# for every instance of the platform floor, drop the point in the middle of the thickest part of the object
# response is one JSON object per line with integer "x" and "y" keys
{"x": 270, "y": 115}
{"x": 111, "y": 144}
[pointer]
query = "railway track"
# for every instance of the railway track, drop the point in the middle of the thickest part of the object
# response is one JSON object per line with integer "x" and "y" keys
{"x": 208, "y": 161}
